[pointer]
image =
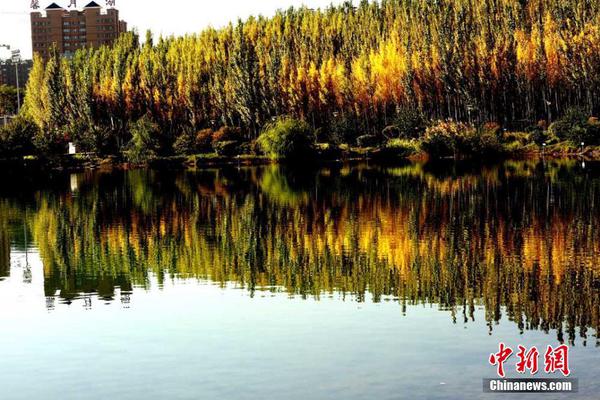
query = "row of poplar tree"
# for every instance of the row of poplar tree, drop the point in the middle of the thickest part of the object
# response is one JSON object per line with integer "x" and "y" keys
{"x": 355, "y": 66}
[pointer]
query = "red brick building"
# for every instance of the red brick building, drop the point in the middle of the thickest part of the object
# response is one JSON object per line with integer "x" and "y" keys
{"x": 70, "y": 30}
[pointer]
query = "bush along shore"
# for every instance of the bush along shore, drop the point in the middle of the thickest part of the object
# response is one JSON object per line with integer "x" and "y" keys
{"x": 386, "y": 78}
{"x": 292, "y": 140}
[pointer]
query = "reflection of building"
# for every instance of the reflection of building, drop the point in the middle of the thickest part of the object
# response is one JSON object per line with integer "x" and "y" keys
{"x": 70, "y": 30}
{"x": 8, "y": 74}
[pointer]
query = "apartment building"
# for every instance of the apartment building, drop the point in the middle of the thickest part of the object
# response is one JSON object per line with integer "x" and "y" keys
{"x": 70, "y": 30}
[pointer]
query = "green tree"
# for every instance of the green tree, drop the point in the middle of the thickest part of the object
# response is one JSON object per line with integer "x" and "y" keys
{"x": 8, "y": 100}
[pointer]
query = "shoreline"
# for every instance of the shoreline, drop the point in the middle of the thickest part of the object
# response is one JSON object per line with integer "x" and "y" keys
{"x": 84, "y": 162}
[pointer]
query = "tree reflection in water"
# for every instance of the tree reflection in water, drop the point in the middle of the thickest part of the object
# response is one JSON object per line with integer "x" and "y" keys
{"x": 520, "y": 238}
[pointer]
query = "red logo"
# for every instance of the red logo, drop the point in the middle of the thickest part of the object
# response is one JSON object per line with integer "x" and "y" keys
{"x": 555, "y": 359}
{"x": 500, "y": 358}
{"x": 528, "y": 360}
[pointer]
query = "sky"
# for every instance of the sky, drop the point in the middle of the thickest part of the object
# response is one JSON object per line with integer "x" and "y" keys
{"x": 163, "y": 17}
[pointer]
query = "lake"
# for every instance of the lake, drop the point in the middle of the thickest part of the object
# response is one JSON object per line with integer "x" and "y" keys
{"x": 334, "y": 282}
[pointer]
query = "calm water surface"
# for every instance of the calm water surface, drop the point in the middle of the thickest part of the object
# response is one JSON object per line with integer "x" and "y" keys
{"x": 354, "y": 282}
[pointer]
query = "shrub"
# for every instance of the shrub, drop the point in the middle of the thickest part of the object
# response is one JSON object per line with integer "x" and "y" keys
{"x": 440, "y": 139}
{"x": 410, "y": 123}
{"x": 398, "y": 148}
{"x": 593, "y": 133}
{"x": 560, "y": 129}
{"x": 578, "y": 134}
{"x": 514, "y": 147}
{"x": 287, "y": 138}
{"x": 16, "y": 138}
{"x": 143, "y": 145}
{"x": 491, "y": 128}
{"x": 486, "y": 144}
{"x": 185, "y": 144}
{"x": 538, "y": 135}
{"x": 227, "y": 134}
{"x": 452, "y": 138}
{"x": 368, "y": 141}
{"x": 50, "y": 141}
{"x": 204, "y": 140}
{"x": 247, "y": 148}
{"x": 521, "y": 138}
{"x": 8, "y": 100}
{"x": 342, "y": 129}
{"x": 91, "y": 138}
{"x": 227, "y": 148}
{"x": 391, "y": 132}
{"x": 576, "y": 127}
{"x": 226, "y": 140}
{"x": 542, "y": 124}
{"x": 475, "y": 143}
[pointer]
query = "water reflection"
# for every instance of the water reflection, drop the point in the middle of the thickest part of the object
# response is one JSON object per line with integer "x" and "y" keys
{"x": 4, "y": 248}
{"x": 520, "y": 239}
